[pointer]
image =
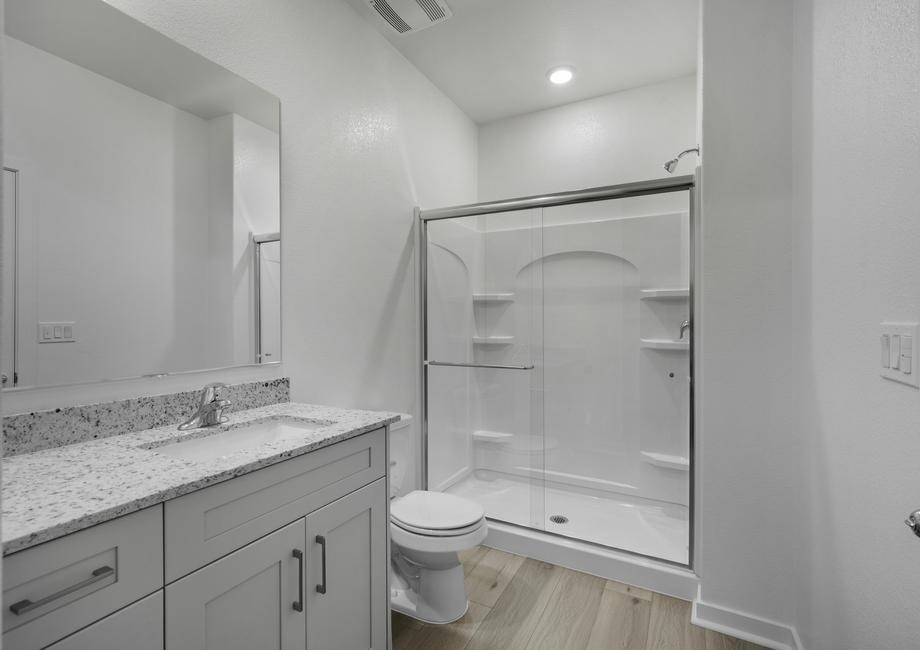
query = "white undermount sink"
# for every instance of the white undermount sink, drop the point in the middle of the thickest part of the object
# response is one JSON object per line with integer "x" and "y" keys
{"x": 201, "y": 445}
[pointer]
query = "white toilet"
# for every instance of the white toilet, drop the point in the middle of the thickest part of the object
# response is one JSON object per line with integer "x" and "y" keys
{"x": 427, "y": 530}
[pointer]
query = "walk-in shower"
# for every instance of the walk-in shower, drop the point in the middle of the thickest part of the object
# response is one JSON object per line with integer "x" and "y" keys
{"x": 557, "y": 363}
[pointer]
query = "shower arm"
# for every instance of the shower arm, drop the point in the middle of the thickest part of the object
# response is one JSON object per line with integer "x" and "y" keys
{"x": 671, "y": 165}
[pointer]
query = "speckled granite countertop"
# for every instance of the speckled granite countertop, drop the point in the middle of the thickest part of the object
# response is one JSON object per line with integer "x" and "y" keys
{"x": 50, "y": 493}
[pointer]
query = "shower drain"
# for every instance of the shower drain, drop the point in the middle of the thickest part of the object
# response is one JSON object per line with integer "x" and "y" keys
{"x": 559, "y": 519}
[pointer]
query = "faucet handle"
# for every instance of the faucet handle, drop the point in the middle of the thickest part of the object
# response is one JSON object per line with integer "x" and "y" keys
{"x": 211, "y": 392}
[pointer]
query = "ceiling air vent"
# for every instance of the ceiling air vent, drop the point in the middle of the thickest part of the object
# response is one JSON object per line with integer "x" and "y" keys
{"x": 406, "y": 16}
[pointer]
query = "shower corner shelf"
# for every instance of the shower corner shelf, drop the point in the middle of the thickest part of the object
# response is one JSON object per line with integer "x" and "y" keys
{"x": 664, "y": 344}
{"x": 492, "y": 436}
{"x": 493, "y": 296}
{"x": 493, "y": 340}
{"x": 667, "y": 461}
{"x": 664, "y": 294}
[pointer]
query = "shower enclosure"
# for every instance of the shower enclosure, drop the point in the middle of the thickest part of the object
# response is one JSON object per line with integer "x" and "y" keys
{"x": 557, "y": 362}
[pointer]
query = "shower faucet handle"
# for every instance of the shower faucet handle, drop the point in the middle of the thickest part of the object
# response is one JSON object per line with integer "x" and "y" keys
{"x": 913, "y": 522}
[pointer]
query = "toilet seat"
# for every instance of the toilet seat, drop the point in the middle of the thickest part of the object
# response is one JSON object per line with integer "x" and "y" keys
{"x": 438, "y": 544}
{"x": 436, "y": 514}
{"x": 436, "y": 522}
{"x": 427, "y": 532}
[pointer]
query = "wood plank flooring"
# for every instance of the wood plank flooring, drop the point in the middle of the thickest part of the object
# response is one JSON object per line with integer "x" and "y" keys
{"x": 518, "y": 603}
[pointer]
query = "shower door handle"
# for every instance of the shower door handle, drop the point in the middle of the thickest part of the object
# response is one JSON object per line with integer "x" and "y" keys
{"x": 494, "y": 366}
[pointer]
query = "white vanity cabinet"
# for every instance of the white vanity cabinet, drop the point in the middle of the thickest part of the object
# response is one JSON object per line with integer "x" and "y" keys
{"x": 62, "y": 586}
{"x": 318, "y": 583}
{"x": 347, "y": 599}
{"x": 250, "y": 599}
{"x": 286, "y": 557}
{"x": 292, "y": 556}
{"x": 138, "y": 627}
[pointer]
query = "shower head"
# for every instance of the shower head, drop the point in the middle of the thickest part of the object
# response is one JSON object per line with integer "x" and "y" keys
{"x": 671, "y": 165}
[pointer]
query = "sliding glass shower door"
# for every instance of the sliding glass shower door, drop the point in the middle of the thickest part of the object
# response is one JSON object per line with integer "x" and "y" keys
{"x": 558, "y": 368}
{"x": 616, "y": 373}
{"x": 484, "y": 363}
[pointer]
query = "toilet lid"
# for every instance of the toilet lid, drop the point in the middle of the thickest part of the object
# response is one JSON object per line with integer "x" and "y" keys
{"x": 435, "y": 511}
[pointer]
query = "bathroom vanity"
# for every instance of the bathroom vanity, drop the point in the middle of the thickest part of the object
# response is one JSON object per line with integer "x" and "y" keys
{"x": 269, "y": 531}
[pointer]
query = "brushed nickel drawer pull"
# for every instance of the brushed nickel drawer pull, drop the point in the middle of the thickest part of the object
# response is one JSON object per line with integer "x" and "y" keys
{"x": 26, "y": 606}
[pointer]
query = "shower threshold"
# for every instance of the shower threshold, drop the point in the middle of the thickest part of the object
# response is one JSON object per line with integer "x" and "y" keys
{"x": 644, "y": 526}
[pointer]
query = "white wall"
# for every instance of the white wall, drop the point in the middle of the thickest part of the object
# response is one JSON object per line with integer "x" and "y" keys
{"x": 811, "y": 133}
{"x": 861, "y": 79}
{"x": 365, "y": 137}
{"x": 751, "y": 316}
{"x": 113, "y": 221}
{"x": 618, "y": 138}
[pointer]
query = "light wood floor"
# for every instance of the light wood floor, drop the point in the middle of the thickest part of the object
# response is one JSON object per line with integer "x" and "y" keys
{"x": 518, "y": 603}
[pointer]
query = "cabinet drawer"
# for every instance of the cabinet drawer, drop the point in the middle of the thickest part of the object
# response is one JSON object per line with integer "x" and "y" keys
{"x": 210, "y": 523}
{"x": 66, "y": 584}
{"x": 138, "y": 627}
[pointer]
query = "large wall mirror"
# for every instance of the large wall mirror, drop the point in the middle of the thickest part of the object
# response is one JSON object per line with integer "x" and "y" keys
{"x": 141, "y": 203}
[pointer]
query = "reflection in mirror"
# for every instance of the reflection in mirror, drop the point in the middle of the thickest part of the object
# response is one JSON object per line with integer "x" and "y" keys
{"x": 141, "y": 209}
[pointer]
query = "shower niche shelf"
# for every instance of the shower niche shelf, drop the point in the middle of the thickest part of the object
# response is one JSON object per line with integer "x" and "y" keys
{"x": 667, "y": 461}
{"x": 493, "y": 296}
{"x": 493, "y": 340}
{"x": 664, "y": 294}
{"x": 664, "y": 344}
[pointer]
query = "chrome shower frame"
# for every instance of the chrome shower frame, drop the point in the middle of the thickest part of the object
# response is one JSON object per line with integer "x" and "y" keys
{"x": 686, "y": 183}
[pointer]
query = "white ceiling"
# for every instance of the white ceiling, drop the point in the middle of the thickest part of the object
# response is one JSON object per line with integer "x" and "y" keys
{"x": 492, "y": 56}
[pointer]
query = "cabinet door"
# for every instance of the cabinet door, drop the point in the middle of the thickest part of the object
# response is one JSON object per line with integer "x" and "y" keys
{"x": 138, "y": 626}
{"x": 247, "y": 600}
{"x": 347, "y": 599}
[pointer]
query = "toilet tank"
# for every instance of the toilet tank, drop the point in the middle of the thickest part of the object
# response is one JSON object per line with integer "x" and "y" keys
{"x": 403, "y": 456}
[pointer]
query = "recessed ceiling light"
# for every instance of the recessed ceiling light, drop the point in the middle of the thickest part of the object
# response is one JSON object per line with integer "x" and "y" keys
{"x": 561, "y": 75}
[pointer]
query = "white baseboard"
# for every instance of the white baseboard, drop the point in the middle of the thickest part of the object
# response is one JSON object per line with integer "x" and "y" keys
{"x": 747, "y": 627}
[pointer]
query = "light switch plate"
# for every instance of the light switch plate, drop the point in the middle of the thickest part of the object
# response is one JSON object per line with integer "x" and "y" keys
{"x": 896, "y": 333}
{"x": 56, "y": 332}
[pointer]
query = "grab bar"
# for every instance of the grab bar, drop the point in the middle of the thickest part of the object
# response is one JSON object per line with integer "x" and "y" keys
{"x": 494, "y": 366}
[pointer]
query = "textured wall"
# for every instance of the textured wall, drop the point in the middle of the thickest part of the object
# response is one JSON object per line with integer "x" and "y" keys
{"x": 862, "y": 80}
{"x": 750, "y": 322}
{"x": 618, "y": 138}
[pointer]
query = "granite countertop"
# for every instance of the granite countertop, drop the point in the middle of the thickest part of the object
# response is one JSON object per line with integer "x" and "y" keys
{"x": 54, "y": 492}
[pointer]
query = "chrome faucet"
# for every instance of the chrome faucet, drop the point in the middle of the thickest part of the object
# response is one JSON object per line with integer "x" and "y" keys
{"x": 683, "y": 328}
{"x": 210, "y": 408}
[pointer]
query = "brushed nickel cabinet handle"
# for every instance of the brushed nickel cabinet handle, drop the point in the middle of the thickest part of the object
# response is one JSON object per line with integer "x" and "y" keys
{"x": 298, "y": 604}
{"x": 26, "y": 606}
{"x": 321, "y": 589}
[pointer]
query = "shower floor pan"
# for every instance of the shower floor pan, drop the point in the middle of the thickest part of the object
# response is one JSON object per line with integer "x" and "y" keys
{"x": 652, "y": 528}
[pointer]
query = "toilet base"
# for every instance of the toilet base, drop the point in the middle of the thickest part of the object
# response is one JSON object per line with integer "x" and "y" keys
{"x": 440, "y": 599}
